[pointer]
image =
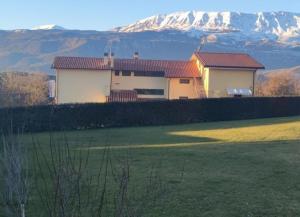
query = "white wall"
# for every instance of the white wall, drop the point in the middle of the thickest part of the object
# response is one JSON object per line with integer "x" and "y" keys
{"x": 82, "y": 86}
{"x": 222, "y": 79}
{"x": 190, "y": 90}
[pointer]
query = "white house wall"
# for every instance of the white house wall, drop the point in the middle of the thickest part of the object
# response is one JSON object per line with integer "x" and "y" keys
{"x": 82, "y": 86}
{"x": 191, "y": 90}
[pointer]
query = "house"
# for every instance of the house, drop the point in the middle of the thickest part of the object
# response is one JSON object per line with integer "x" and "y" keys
{"x": 227, "y": 74}
{"x": 109, "y": 79}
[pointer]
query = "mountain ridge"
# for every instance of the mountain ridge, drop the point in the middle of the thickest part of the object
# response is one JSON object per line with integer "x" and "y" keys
{"x": 49, "y": 27}
{"x": 273, "y": 25}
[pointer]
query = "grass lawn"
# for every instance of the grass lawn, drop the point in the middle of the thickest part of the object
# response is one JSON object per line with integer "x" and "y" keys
{"x": 239, "y": 168}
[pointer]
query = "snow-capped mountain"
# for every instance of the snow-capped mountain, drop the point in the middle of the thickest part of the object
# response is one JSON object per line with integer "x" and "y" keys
{"x": 275, "y": 25}
{"x": 48, "y": 27}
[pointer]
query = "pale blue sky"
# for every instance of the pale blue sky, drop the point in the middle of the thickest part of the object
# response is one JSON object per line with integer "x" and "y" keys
{"x": 106, "y": 14}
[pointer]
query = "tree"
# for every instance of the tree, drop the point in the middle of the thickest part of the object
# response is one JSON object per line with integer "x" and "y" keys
{"x": 279, "y": 84}
{"x": 23, "y": 89}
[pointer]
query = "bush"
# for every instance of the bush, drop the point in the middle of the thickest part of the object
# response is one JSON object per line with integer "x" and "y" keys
{"x": 91, "y": 116}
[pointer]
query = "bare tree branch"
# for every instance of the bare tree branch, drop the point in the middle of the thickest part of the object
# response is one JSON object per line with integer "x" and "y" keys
{"x": 14, "y": 170}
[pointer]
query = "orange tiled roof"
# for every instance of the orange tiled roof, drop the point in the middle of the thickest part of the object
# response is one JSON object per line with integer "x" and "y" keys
{"x": 80, "y": 63}
{"x": 172, "y": 69}
{"x": 228, "y": 60}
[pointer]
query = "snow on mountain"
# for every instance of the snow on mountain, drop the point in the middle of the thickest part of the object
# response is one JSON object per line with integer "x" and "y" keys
{"x": 275, "y": 25}
{"x": 48, "y": 27}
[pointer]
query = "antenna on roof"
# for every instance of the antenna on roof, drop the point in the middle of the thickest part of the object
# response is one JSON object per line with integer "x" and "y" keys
{"x": 109, "y": 56}
{"x": 203, "y": 41}
{"x": 108, "y": 48}
{"x": 110, "y": 51}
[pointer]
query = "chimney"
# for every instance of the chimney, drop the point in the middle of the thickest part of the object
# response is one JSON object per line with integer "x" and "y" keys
{"x": 106, "y": 59}
{"x": 109, "y": 59}
{"x": 136, "y": 55}
{"x": 112, "y": 59}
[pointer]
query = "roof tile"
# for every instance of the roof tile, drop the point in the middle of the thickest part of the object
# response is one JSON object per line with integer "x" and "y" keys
{"x": 228, "y": 60}
{"x": 80, "y": 63}
{"x": 172, "y": 69}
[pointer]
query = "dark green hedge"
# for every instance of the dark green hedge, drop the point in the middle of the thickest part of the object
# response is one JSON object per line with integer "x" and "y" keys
{"x": 89, "y": 116}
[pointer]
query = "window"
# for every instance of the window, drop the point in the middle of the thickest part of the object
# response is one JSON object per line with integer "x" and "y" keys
{"x": 150, "y": 91}
{"x": 183, "y": 97}
{"x": 126, "y": 73}
{"x": 184, "y": 81}
{"x": 117, "y": 73}
{"x": 149, "y": 74}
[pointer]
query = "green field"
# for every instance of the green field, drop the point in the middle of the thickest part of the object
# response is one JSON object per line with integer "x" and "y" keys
{"x": 239, "y": 168}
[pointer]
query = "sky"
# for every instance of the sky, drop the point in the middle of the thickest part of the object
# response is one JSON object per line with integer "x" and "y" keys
{"x": 107, "y": 14}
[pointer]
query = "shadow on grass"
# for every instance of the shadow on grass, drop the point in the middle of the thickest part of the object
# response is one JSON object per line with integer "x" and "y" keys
{"x": 161, "y": 139}
{"x": 156, "y": 137}
{"x": 173, "y": 136}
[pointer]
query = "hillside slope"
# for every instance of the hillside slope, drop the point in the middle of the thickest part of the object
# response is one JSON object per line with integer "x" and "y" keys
{"x": 295, "y": 71}
{"x": 35, "y": 50}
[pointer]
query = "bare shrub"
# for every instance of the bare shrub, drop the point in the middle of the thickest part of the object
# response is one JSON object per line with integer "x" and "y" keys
{"x": 67, "y": 186}
{"x": 279, "y": 84}
{"x": 23, "y": 89}
{"x": 15, "y": 188}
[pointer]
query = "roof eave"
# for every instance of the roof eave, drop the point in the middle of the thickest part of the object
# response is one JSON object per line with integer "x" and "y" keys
{"x": 182, "y": 76}
{"x": 81, "y": 68}
{"x": 234, "y": 67}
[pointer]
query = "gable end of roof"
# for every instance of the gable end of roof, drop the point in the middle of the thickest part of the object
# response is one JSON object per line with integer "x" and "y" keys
{"x": 228, "y": 60}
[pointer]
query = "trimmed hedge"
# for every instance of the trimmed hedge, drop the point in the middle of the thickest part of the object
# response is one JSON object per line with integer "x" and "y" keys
{"x": 90, "y": 116}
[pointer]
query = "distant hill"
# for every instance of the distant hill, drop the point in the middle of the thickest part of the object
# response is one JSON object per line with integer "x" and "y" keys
{"x": 295, "y": 71}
